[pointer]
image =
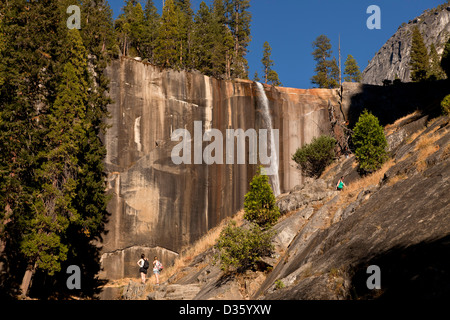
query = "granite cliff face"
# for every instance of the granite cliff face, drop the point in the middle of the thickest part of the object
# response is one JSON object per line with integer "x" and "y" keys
{"x": 394, "y": 57}
{"x": 158, "y": 207}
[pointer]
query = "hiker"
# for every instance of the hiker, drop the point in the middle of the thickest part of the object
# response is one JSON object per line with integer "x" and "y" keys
{"x": 143, "y": 267}
{"x": 157, "y": 267}
{"x": 340, "y": 185}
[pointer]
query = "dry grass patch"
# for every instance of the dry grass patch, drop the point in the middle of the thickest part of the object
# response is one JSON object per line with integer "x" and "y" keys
{"x": 201, "y": 245}
{"x": 446, "y": 152}
{"x": 397, "y": 178}
{"x": 414, "y": 136}
{"x": 328, "y": 168}
{"x": 426, "y": 146}
{"x": 351, "y": 191}
{"x": 391, "y": 128}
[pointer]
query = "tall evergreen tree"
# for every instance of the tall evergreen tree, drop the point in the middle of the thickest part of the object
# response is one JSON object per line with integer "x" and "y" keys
{"x": 256, "y": 77}
{"x": 33, "y": 40}
{"x": 130, "y": 26}
{"x": 334, "y": 73}
{"x": 352, "y": 72}
{"x": 212, "y": 40}
{"x": 2, "y": 48}
{"x": 270, "y": 76}
{"x": 168, "y": 51}
{"x": 436, "y": 72}
{"x": 138, "y": 29}
{"x": 445, "y": 61}
{"x": 52, "y": 199}
{"x": 223, "y": 53}
{"x": 185, "y": 27}
{"x": 100, "y": 42}
{"x": 57, "y": 175}
{"x": 327, "y": 71}
{"x": 420, "y": 61}
{"x": 238, "y": 20}
{"x": 151, "y": 26}
{"x": 97, "y": 29}
{"x": 204, "y": 40}
{"x": 266, "y": 61}
{"x": 273, "y": 78}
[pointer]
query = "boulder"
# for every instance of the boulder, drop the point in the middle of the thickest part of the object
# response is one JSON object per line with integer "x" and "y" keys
{"x": 133, "y": 291}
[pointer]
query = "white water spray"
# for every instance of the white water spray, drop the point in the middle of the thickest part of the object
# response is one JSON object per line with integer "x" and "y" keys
{"x": 267, "y": 120}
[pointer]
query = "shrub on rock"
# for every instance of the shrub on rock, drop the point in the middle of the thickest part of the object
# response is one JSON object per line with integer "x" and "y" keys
{"x": 370, "y": 143}
{"x": 314, "y": 157}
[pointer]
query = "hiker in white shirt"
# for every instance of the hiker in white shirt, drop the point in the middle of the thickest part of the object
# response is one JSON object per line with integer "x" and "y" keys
{"x": 157, "y": 267}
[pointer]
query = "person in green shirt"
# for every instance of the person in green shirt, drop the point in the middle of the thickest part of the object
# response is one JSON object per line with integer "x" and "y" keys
{"x": 340, "y": 185}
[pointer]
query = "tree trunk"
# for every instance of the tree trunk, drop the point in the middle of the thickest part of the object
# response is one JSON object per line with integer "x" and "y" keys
{"x": 26, "y": 281}
{"x": 266, "y": 74}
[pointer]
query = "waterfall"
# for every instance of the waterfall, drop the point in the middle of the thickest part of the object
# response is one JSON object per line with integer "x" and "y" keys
{"x": 267, "y": 120}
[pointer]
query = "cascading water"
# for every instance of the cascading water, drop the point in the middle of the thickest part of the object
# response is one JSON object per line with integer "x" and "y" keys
{"x": 267, "y": 120}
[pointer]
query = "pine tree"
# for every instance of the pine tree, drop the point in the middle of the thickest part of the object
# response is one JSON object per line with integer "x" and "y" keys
{"x": 97, "y": 30}
{"x": 211, "y": 40}
{"x": 53, "y": 104}
{"x": 351, "y": 71}
{"x": 53, "y": 203}
{"x": 123, "y": 28}
{"x": 101, "y": 45}
{"x": 273, "y": 78}
{"x": 256, "y": 77}
{"x": 204, "y": 41}
{"x": 445, "y": 61}
{"x": 334, "y": 73}
{"x": 151, "y": 25}
{"x": 238, "y": 20}
{"x": 130, "y": 26}
{"x": 270, "y": 76}
{"x": 266, "y": 61}
{"x": 222, "y": 53}
{"x": 2, "y": 48}
{"x": 419, "y": 62}
{"x": 370, "y": 143}
{"x": 185, "y": 27}
{"x": 260, "y": 203}
{"x": 167, "y": 51}
{"x": 327, "y": 71}
{"x": 138, "y": 30}
{"x": 436, "y": 72}
{"x": 33, "y": 38}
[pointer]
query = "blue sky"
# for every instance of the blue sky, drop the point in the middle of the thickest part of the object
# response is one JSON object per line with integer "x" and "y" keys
{"x": 290, "y": 27}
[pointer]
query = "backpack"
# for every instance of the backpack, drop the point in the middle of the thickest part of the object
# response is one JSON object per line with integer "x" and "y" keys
{"x": 146, "y": 264}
